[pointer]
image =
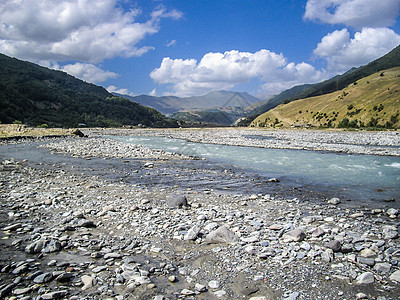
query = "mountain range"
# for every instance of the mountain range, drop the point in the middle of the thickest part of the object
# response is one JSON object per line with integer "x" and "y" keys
{"x": 170, "y": 105}
{"x": 36, "y": 95}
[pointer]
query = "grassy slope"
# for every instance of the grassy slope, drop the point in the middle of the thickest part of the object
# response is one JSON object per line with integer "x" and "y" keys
{"x": 369, "y": 92}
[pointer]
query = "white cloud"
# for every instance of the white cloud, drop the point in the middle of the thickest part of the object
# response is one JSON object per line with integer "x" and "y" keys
{"x": 217, "y": 71}
{"x": 114, "y": 89}
{"x": 171, "y": 43}
{"x": 343, "y": 52}
{"x": 82, "y": 30}
{"x": 88, "y": 72}
{"x": 153, "y": 92}
{"x": 355, "y": 13}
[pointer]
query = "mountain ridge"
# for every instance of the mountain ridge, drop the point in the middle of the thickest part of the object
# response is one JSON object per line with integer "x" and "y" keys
{"x": 36, "y": 95}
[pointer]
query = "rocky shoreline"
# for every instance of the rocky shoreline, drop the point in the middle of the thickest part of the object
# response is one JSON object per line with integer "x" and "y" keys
{"x": 70, "y": 234}
{"x": 351, "y": 142}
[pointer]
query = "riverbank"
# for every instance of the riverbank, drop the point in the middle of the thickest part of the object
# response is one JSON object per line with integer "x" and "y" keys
{"x": 351, "y": 142}
{"x": 70, "y": 230}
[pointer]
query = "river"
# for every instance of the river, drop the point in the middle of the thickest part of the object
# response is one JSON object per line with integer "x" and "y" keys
{"x": 351, "y": 177}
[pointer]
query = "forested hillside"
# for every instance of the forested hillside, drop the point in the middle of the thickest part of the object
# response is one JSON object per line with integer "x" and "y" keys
{"x": 35, "y": 95}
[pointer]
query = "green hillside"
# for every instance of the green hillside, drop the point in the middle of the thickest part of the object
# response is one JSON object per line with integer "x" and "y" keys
{"x": 35, "y": 95}
{"x": 373, "y": 101}
{"x": 390, "y": 60}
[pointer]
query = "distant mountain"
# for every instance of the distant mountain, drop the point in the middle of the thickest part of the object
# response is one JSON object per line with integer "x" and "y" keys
{"x": 35, "y": 95}
{"x": 390, "y": 60}
{"x": 170, "y": 104}
{"x": 369, "y": 102}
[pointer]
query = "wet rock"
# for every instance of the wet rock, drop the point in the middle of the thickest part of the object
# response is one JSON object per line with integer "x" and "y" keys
{"x": 43, "y": 278}
{"x": 177, "y": 201}
{"x": 222, "y": 234}
{"x": 54, "y": 295}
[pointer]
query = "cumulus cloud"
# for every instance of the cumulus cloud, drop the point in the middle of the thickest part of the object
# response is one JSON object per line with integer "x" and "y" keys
{"x": 216, "y": 71}
{"x": 82, "y": 30}
{"x": 114, "y": 89}
{"x": 343, "y": 52}
{"x": 88, "y": 72}
{"x": 354, "y": 13}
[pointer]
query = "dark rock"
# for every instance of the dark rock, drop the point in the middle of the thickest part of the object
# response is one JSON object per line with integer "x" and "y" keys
{"x": 335, "y": 245}
{"x": 43, "y": 278}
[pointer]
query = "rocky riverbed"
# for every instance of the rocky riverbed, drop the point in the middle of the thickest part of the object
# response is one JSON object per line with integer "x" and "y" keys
{"x": 351, "y": 142}
{"x": 71, "y": 232}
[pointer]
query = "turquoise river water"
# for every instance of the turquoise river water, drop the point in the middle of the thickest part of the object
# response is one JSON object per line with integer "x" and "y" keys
{"x": 356, "y": 177}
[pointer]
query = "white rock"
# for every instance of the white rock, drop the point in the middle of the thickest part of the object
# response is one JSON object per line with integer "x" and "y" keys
{"x": 365, "y": 278}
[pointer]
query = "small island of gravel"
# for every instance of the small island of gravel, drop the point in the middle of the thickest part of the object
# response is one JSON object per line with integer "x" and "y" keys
{"x": 92, "y": 218}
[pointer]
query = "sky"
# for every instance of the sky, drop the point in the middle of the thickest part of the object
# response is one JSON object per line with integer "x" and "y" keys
{"x": 191, "y": 47}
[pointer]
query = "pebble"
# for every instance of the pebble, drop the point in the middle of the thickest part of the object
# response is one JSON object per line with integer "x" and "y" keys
{"x": 124, "y": 236}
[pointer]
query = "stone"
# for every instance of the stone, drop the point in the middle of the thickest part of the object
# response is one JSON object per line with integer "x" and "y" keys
{"x": 54, "y": 295}
{"x": 177, "y": 201}
{"x": 258, "y": 298}
{"x": 187, "y": 292}
{"x": 88, "y": 282}
{"x": 392, "y": 212}
{"x": 64, "y": 277}
{"x": 222, "y": 234}
{"x": 395, "y": 276}
{"x": 99, "y": 269}
{"x": 213, "y": 284}
{"x": 390, "y": 232}
{"x": 368, "y": 253}
{"x": 192, "y": 233}
{"x": 52, "y": 246}
{"x": 220, "y": 293}
{"x": 317, "y": 232}
{"x": 361, "y": 296}
{"x": 365, "y": 278}
{"x": 366, "y": 261}
{"x": 22, "y": 291}
{"x": 172, "y": 278}
{"x": 327, "y": 255}
{"x": 43, "y": 278}
{"x": 295, "y": 235}
{"x": 112, "y": 255}
{"x": 382, "y": 268}
{"x": 200, "y": 287}
{"x": 335, "y": 245}
{"x": 334, "y": 201}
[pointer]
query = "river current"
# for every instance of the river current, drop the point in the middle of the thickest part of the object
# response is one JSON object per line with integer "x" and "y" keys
{"x": 352, "y": 177}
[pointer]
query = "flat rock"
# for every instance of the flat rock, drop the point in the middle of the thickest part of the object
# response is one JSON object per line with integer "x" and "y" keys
{"x": 222, "y": 234}
{"x": 365, "y": 278}
{"x": 295, "y": 235}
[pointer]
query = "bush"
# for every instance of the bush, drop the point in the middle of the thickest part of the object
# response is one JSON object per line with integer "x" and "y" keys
{"x": 44, "y": 126}
{"x": 17, "y": 122}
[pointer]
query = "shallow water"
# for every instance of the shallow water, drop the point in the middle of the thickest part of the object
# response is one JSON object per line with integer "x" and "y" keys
{"x": 354, "y": 177}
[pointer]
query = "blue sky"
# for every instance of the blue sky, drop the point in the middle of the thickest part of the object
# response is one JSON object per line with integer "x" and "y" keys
{"x": 191, "y": 47}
